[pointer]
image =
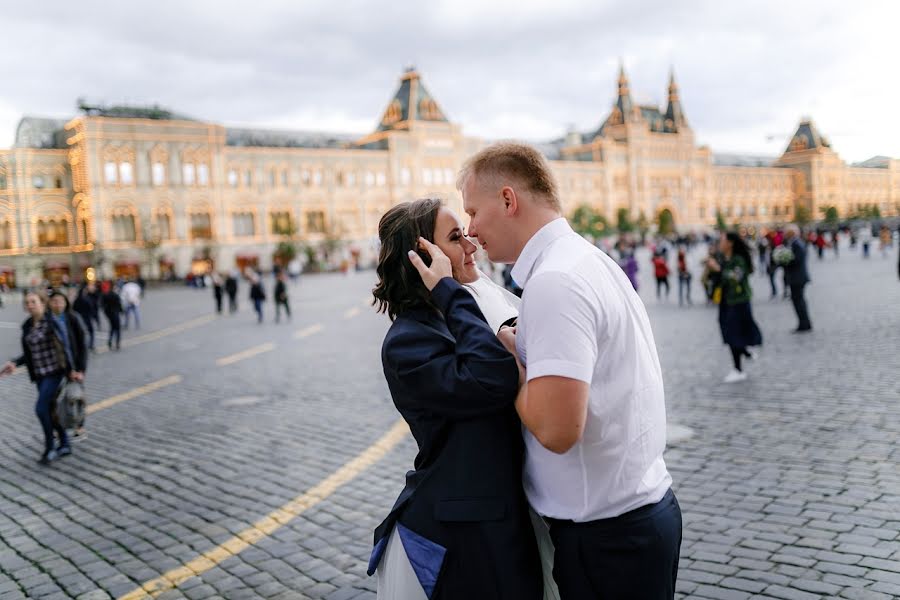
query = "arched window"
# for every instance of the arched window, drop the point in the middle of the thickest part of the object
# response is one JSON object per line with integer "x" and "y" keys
{"x": 164, "y": 224}
{"x": 53, "y": 232}
{"x": 201, "y": 226}
{"x": 158, "y": 174}
{"x": 126, "y": 173}
{"x": 203, "y": 174}
{"x": 110, "y": 173}
{"x": 123, "y": 228}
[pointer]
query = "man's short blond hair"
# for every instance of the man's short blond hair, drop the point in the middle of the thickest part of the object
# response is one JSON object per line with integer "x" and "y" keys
{"x": 510, "y": 162}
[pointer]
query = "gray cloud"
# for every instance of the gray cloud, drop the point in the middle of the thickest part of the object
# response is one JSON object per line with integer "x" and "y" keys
{"x": 507, "y": 69}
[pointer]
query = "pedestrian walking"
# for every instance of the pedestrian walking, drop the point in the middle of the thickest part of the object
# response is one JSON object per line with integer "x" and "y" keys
{"x": 131, "y": 300}
{"x": 796, "y": 276}
{"x": 112, "y": 308}
{"x": 661, "y": 271}
{"x": 865, "y": 239}
{"x": 886, "y": 240}
{"x": 739, "y": 330}
{"x": 218, "y": 286}
{"x": 628, "y": 263}
{"x": 684, "y": 279}
{"x": 257, "y": 296}
{"x": 84, "y": 306}
{"x": 820, "y": 244}
{"x": 231, "y": 288}
{"x": 281, "y": 296}
{"x": 53, "y": 349}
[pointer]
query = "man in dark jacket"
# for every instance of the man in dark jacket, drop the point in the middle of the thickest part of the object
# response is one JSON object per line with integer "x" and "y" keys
{"x": 84, "y": 306}
{"x": 258, "y": 296}
{"x": 796, "y": 277}
{"x": 281, "y": 296}
{"x": 231, "y": 288}
{"x": 112, "y": 308}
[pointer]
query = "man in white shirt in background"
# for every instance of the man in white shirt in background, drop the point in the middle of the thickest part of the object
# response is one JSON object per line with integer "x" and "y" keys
{"x": 131, "y": 299}
{"x": 593, "y": 403}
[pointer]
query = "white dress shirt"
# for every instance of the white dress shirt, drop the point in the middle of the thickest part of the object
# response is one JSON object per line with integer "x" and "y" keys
{"x": 581, "y": 319}
{"x": 496, "y": 303}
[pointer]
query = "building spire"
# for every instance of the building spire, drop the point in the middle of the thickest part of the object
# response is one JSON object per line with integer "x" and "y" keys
{"x": 675, "y": 120}
{"x": 624, "y": 108}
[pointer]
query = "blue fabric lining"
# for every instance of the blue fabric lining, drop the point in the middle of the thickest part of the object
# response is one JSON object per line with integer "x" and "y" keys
{"x": 377, "y": 552}
{"x": 425, "y": 556}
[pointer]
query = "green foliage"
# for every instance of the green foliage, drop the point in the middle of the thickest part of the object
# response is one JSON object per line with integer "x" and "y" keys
{"x": 665, "y": 222}
{"x": 721, "y": 225}
{"x": 869, "y": 211}
{"x": 285, "y": 252}
{"x": 587, "y": 221}
{"x": 643, "y": 224}
{"x": 801, "y": 215}
{"x": 830, "y": 213}
{"x": 623, "y": 221}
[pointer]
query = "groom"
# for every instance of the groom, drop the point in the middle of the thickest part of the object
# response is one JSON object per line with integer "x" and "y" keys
{"x": 593, "y": 404}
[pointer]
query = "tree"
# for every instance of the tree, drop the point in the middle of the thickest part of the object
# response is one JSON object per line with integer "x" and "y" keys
{"x": 721, "y": 225}
{"x": 623, "y": 221}
{"x": 830, "y": 213}
{"x": 665, "y": 222}
{"x": 801, "y": 215}
{"x": 588, "y": 222}
{"x": 643, "y": 226}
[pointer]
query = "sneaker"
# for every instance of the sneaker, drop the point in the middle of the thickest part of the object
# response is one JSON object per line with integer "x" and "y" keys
{"x": 64, "y": 451}
{"x": 48, "y": 457}
{"x": 752, "y": 354}
{"x": 734, "y": 376}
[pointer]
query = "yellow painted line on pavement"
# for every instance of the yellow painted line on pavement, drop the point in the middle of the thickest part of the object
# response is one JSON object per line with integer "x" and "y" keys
{"x": 270, "y": 523}
{"x": 308, "y": 331}
{"x": 351, "y": 313}
{"x": 149, "y": 337}
{"x": 138, "y": 391}
{"x": 227, "y": 360}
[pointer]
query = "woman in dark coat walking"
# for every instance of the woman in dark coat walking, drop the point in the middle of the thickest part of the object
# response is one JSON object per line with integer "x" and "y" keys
{"x": 739, "y": 329}
{"x": 460, "y": 528}
{"x": 53, "y": 348}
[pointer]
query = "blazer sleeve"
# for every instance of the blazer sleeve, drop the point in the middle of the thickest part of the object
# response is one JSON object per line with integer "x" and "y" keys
{"x": 476, "y": 376}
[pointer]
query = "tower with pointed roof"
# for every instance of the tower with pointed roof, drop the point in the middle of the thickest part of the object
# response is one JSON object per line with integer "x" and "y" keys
{"x": 411, "y": 102}
{"x": 675, "y": 120}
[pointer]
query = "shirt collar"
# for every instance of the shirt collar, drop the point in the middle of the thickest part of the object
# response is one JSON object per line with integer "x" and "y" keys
{"x": 539, "y": 242}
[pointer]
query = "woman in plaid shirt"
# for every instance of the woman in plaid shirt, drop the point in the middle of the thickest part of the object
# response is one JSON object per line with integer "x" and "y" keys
{"x": 51, "y": 350}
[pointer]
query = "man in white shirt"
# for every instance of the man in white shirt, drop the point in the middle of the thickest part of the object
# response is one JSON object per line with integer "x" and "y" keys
{"x": 131, "y": 299}
{"x": 592, "y": 402}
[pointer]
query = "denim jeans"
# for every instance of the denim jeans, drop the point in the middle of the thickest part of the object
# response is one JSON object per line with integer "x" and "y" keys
{"x": 47, "y": 388}
{"x": 133, "y": 308}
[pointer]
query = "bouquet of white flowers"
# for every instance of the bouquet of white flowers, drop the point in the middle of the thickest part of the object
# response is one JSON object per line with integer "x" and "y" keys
{"x": 782, "y": 255}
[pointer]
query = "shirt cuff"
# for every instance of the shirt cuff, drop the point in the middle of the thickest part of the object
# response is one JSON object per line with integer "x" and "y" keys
{"x": 560, "y": 368}
{"x": 443, "y": 292}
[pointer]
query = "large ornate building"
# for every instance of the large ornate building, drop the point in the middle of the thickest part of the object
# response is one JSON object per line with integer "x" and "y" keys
{"x": 130, "y": 190}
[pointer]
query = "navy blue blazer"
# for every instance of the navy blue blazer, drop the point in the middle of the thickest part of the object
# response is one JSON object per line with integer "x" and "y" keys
{"x": 795, "y": 272}
{"x": 462, "y": 516}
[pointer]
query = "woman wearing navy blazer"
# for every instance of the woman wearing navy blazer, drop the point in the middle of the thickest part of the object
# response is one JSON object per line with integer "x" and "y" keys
{"x": 460, "y": 528}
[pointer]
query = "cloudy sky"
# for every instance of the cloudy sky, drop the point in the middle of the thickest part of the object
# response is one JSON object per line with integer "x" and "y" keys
{"x": 748, "y": 71}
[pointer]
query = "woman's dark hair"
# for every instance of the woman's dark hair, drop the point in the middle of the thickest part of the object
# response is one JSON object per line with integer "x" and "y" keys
{"x": 739, "y": 248}
{"x": 63, "y": 296}
{"x": 399, "y": 285}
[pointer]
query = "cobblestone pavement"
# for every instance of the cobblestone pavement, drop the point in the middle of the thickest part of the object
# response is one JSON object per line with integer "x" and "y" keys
{"x": 790, "y": 485}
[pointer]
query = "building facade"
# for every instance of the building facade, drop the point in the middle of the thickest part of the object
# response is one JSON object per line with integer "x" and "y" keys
{"x": 131, "y": 191}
